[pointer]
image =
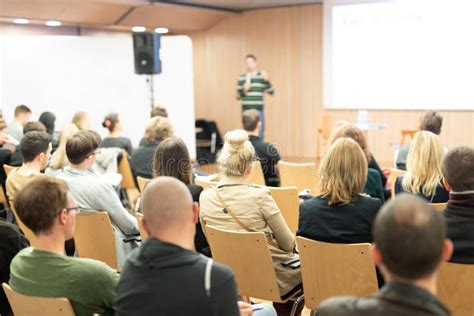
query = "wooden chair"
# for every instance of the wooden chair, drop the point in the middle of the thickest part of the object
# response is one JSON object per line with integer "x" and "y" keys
{"x": 394, "y": 174}
{"x": 206, "y": 182}
{"x": 439, "y": 206}
{"x": 288, "y": 202}
{"x": 35, "y": 305}
{"x": 125, "y": 170}
{"x": 28, "y": 233}
{"x": 141, "y": 183}
{"x": 335, "y": 269}
{"x": 456, "y": 287}
{"x": 407, "y": 133}
{"x": 3, "y": 197}
{"x": 8, "y": 168}
{"x": 143, "y": 233}
{"x": 301, "y": 175}
{"x": 248, "y": 256}
{"x": 256, "y": 175}
{"x": 95, "y": 237}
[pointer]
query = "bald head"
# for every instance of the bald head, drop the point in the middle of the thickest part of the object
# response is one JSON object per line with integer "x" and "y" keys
{"x": 166, "y": 204}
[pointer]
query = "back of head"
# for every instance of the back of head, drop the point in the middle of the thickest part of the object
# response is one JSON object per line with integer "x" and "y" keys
{"x": 343, "y": 172}
{"x": 431, "y": 122}
{"x": 158, "y": 129}
{"x": 40, "y": 202}
{"x": 34, "y": 126}
{"x": 172, "y": 159}
{"x": 237, "y": 154}
{"x": 110, "y": 121}
{"x": 410, "y": 235}
{"x": 81, "y": 145}
{"x": 423, "y": 164}
{"x": 158, "y": 111}
{"x": 350, "y": 131}
{"x": 21, "y": 110}
{"x": 48, "y": 119}
{"x": 60, "y": 158}
{"x": 81, "y": 120}
{"x": 458, "y": 168}
{"x": 250, "y": 119}
{"x": 167, "y": 205}
{"x": 33, "y": 144}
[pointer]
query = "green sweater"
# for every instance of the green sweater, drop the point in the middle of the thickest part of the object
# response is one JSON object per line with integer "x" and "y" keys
{"x": 88, "y": 284}
{"x": 253, "y": 99}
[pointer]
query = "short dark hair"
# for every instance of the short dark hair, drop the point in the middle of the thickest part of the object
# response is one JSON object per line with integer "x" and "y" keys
{"x": 40, "y": 202}
{"x": 172, "y": 159}
{"x": 81, "y": 145}
{"x": 431, "y": 122}
{"x": 250, "y": 119}
{"x": 158, "y": 111}
{"x": 251, "y": 56}
{"x": 410, "y": 235}
{"x": 34, "y": 126}
{"x": 21, "y": 109}
{"x": 33, "y": 144}
{"x": 457, "y": 167}
{"x": 110, "y": 121}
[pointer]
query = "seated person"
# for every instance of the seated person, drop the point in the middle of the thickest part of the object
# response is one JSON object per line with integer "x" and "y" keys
{"x": 157, "y": 129}
{"x": 266, "y": 153}
{"x": 11, "y": 242}
{"x": 114, "y": 125}
{"x": 93, "y": 192}
{"x": 81, "y": 120}
{"x": 172, "y": 159}
{"x": 423, "y": 176}
{"x": 253, "y": 206}
{"x": 16, "y": 159}
{"x": 22, "y": 116}
{"x": 59, "y": 158}
{"x": 8, "y": 146}
{"x": 49, "y": 210}
{"x": 431, "y": 121}
{"x": 341, "y": 213}
{"x": 35, "y": 147}
{"x": 404, "y": 225}
{"x": 165, "y": 275}
{"x": 458, "y": 173}
{"x": 48, "y": 119}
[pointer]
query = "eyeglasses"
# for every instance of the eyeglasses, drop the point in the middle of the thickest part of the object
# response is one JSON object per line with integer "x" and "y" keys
{"x": 94, "y": 153}
{"x": 75, "y": 209}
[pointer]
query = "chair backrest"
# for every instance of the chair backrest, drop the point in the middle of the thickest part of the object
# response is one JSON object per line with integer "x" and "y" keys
{"x": 394, "y": 174}
{"x": 205, "y": 182}
{"x": 143, "y": 233}
{"x": 8, "y": 168}
{"x": 3, "y": 197}
{"x": 35, "y": 305}
{"x": 335, "y": 269}
{"x": 288, "y": 202}
{"x": 28, "y": 233}
{"x": 95, "y": 238}
{"x": 125, "y": 170}
{"x": 407, "y": 133}
{"x": 141, "y": 183}
{"x": 301, "y": 175}
{"x": 256, "y": 175}
{"x": 456, "y": 287}
{"x": 248, "y": 256}
{"x": 439, "y": 206}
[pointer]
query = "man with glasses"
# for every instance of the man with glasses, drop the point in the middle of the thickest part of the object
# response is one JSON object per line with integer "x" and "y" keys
{"x": 93, "y": 192}
{"x": 48, "y": 208}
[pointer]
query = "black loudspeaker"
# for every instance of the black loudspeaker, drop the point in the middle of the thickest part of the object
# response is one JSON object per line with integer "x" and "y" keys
{"x": 146, "y": 51}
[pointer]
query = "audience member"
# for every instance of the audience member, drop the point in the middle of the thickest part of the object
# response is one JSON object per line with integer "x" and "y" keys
{"x": 22, "y": 116}
{"x": 341, "y": 213}
{"x": 59, "y": 158}
{"x": 165, "y": 275}
{"x": 172, "y": 159}
{"x": 48, "y": 119}
{"x": 423, "y": 176}
{"x": 158, "y": 129}
{"x": 114, "y": 125}
{"x": 430, "y": 121}
{"x": 35, "y": 148}
{"x": 81, "y": 120}
{"x": 34, "y": 126}
{"x": 410, "y": 242}
{"x": 8, "y": 145}
{"x": 158, "y": 111}
{"x": 93, "y": 192}
{"x": 49, "y": 210}
{"x": 253, "y": 206}
{"x": 458, "y": 173}
{"x": 266, "y": 153}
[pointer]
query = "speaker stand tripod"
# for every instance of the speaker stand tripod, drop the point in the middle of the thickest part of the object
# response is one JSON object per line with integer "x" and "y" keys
{"x": 149, "y": 80}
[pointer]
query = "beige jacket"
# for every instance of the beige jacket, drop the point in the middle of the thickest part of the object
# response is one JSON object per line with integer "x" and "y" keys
{"x": 256, "y": 209}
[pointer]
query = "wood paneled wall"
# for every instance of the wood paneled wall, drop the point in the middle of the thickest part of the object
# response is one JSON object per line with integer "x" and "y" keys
{"x": 288, "y": 44}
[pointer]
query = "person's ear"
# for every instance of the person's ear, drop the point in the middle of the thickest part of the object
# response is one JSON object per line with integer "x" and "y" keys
{"x": 63, "y": 217}
{"x": 259, "y": 125}
{"x": 446, "y": 185}
{"x": 447, "y": 250}
{"x": 145, "y": 227}
{"x": 195, "y": 212}
{"x": 376, "y": 255}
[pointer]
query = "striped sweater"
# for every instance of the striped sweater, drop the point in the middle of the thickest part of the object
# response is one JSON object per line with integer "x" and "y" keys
{"x": 253, "y": 99}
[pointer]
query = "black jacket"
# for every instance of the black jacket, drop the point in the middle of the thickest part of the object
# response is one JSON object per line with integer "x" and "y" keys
{"x": 394, "y": 299}
{"x": 142, "y": 159}
{"x": 268, "y": 156}
{"x": 163, "y": 279}
{"x": 441, "y": 195}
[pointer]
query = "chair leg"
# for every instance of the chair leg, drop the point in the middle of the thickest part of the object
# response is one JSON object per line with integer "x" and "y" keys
{"x": 297, "y": 302}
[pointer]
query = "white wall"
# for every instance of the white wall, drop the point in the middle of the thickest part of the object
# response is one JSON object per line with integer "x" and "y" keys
{"x": 66, "y": 74}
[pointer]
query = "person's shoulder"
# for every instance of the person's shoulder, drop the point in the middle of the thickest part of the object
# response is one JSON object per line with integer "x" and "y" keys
{"x": 370, "y": 201}
{"x": 90, "y": 268}
{"x": 8, "y": 230}
{"x": 220, "y": 273}
{"x": 347, "y": 305}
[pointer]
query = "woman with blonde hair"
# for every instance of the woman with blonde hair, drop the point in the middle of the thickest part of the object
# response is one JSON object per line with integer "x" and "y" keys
{"x": 81, "y": 120}
{"x": 341, "y": 213}
{"x": 59, "y": 159}
{"x": 252, "y": 206}
{"x": 423, "y": 176}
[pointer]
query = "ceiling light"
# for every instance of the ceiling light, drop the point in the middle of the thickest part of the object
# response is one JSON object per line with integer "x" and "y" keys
{"x": 53, "y": 23}
{"x": 21, "y": 21}
{"x": 138, "y": 29}
{"x": 161, "y": 30}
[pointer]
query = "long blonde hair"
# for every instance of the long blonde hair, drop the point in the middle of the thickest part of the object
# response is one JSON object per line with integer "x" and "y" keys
{"x": 60, "y": 158}
{"x": 81, "y": 120}
{"x": 343, "y": 172}
{"x": 423, "y": 164}
{"x": 237, "y": 154}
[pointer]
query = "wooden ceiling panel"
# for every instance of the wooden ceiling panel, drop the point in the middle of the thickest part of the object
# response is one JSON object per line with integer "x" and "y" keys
{"x": 36, "y": 9}
{"x": 93, "y": 12}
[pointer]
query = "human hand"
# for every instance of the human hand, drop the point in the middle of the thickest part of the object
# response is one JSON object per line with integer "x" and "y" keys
{"x": 245, "y": 309}
{"x": 264, "y": 75}
{"x": 247, "y": 87}
{"x": 10, "y": 140}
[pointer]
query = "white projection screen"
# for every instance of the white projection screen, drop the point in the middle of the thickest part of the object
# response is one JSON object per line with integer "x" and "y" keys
{"x": 66, "y": 74}
{"x": 405, "y": 54}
